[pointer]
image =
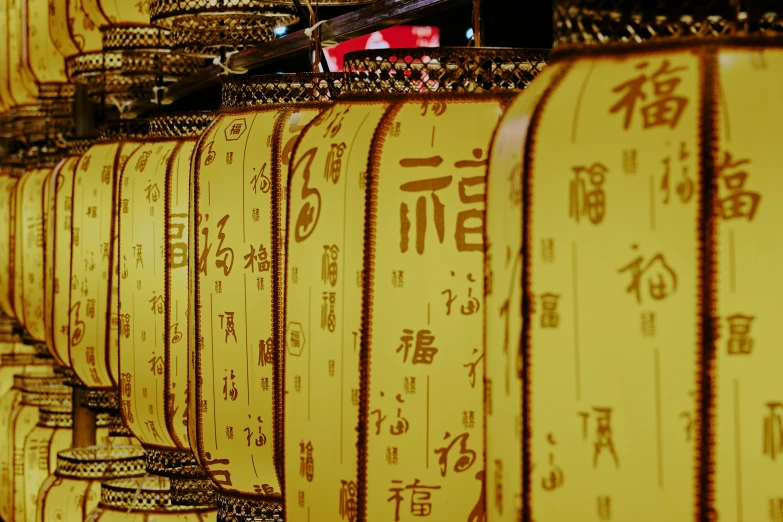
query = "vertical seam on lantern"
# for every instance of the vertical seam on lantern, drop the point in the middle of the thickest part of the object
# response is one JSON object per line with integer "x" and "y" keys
{"x": 278, "y": 443}
{"x": 525, "y": 344}
{"x": 73, "y": 251}
{"x": 708, "y": 144}
{"x": 170, "y": 166}
{"x": 370, "y": 209}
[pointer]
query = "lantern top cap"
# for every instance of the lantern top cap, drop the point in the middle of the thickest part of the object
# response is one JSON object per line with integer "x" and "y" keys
{"x": 142, "y": 494}
{"x": 246, "y": 91}
{"x": 124, "y": 129}
{"x": 173, "y": 463}
{"x": 99, "y": 462}
{"x": 180, "y": 125}
{"x": 442, "y": 69}
{"x": 595, "y": 22}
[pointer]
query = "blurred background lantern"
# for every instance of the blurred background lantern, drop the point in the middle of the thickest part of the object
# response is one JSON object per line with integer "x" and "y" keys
{"x": 74, "y": 489}
{"x": 416, "y": 294}
{"x": 143, "y": 498}
{"x": 237, "y": 265}
{"x": 29, "y": 394}
{"x": 641, "y": 295}
{"x": 153, "y": 208}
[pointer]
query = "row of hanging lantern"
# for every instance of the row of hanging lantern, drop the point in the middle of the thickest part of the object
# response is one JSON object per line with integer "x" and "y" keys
{"x": 187, "y": 258}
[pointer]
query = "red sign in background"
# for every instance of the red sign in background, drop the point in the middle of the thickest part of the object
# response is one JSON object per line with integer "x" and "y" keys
{"x": 393, "y": 37}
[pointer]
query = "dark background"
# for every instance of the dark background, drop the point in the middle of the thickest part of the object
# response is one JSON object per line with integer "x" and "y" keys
{"x": 505, "y": 23}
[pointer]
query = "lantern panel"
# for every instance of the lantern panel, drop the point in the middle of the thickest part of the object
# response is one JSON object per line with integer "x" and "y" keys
{"x": 63, "y": 498}
{"x": 44, "y": 58}
{"x": 86, "y": 20}
{"x": 236, "y": 293}
{"x": 93, "y": 340}
{"x": 747, "y": 396}
{"x": 503, "y": 306}
{"x": 23, "y": 87}
{"x": 324, "y": 307}
{"x": 32, "y": 247}
{"x": 9, "y": 402}
{"x": 58, "y": 259}
{"x": 18, "y": 266}
{"x": 40, "y": 461}
{"x": 178, "y": 189}
{"x": 122, "y": 11}
{"x": 427, "y": 185}
{"x": 60, "y": 28}
{"x": 7, "y": 191}
{"x": 142, "y": 292}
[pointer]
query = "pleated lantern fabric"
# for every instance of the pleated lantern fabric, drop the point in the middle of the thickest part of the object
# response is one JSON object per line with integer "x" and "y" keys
{"x": 153, "y": 208}
{"x": 238, "y": 189}
{"x": 74, "y": 490}
{"x": 94, "y": 318}
{"x": 144, "y": 498}
{"x": 383, "y": 310}
{"x": 57, "y": 263}
{"x": 7, "y": 236}
{"x": 632, "y": 239}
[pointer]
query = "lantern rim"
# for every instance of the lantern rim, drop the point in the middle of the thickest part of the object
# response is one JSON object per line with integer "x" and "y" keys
{"x": 146, "y": 494}
{"x": 98, "y": 462}
{"x": 283, "y": 88}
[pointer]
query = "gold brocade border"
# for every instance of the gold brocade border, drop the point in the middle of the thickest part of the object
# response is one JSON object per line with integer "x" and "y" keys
{"x": 707, "y": 332}
{"x": 503, "y": 98}
{"x": 282, "y": 110}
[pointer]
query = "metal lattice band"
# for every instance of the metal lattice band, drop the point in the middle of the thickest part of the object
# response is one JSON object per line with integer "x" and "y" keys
{"x": 127, "y": 37}
{"x": 55, "y": 418}
{"x": 181, "y": 464}
{"x": 608, "y": 21}
{"x": 98, "y": 462}
{"x": 181, "y": 125}
{"x": 146, "y": 494}
{"x": 51, "y": 159}
{"x": 56, "y": 91}
{"x": 118, "y": 130}
{"x": 193, "y": 492}
{"x": 442, "y": 69}
{"x": 207, "y": 36}
{"x": 232, "y": 509}
{"x": 22, "y": 359}
{"x": 161, "y": 10}
{"x": 52, "y": 396}
{"x": 78, "y": 148}
{"x": 107, "y": 399}
{"x": 244, "y": 91}
{"x": 24, "y": 382}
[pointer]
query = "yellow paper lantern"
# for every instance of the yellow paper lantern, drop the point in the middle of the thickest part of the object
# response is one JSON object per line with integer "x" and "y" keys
{"x": 153, "y": 251}
{"x": 30, "y": 251}
{"x": 236, "y": 263}
{"x": 52, "y": 434}
{"x": 384, "y": 287}
{"x": 23, "y": 88}
{"x": 57, "y": 263}
{"x": 144, "y": 498}
{"x": 7, "y": 236}
{"x": 94, "y": 318}
{"x": 74, "y": 489}
{"x": 631, "y": 186}
{"x": 29, "y": 394}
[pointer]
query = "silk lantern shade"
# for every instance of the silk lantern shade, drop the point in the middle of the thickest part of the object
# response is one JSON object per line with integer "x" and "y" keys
{"x": 153, "y": 208}
{"x": 239, "y": 182}
{"x": 396, "y": 222}
{"x": 640, "y": 276}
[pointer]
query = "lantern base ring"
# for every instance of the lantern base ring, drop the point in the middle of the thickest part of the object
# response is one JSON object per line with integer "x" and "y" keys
{"x": 233, "y": 509}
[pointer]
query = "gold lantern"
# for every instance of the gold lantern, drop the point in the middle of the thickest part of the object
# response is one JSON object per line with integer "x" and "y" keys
{"x": 144, "y": 498}
{"x": 640, "y": 283}
{"x": 384, "y": 335}
{"x": 52, "y": 434}
{"x": 239, "y": 182}
{"x": 93, "y": 308}
{"x": 28, "y": 395}
{"x": 74, "y": 489}
{"x": 153, "y": 207}
{"x": 57, "y": 263}
{"x": 7, "y": 236}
